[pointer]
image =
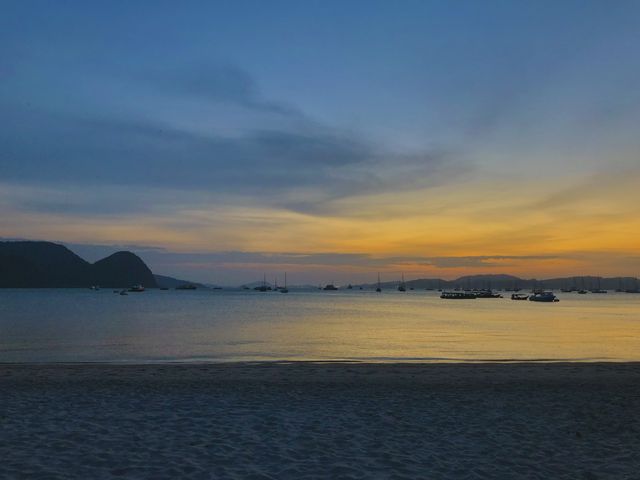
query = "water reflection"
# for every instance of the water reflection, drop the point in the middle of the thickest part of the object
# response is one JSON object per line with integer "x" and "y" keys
{"x": 78, "y": 325}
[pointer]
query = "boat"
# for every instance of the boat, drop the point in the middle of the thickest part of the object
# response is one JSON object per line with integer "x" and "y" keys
{"x": 544, "y": 297}
{"x": 487, "y": 294}
{"x": 94, "y": 287}
{"x": 186, "y": 286}
{"x": 582, "y": 291}
{"x": 598, "y": 290}
{"x": 123, "y": 292}
{"x": 263, "y": 287}
{"x": 164, "y": 288}
{"x": 458, "y": 295}
{"x": 402, "y": 287}
{"x": 572, "y": 287}
{"x": 330, "y": 286}
{"x": 519, "y": 296}
{"x": 378, "y": 288}
{"x": 349, "y": 287}
{"x": 635, "y": 288}
{"x": 137, "y": 288}
{"x": 284, "y": 289}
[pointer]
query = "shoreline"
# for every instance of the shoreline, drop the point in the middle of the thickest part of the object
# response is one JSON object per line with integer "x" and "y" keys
{"x": 407, "y": 373}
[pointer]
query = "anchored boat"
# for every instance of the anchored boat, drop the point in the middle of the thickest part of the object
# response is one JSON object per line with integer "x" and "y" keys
{"x": 458, "y": 295}
{"x": 544, "y": 297}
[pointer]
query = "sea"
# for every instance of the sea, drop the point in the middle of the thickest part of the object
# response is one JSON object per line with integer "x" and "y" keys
{"x": 81, "y": 325}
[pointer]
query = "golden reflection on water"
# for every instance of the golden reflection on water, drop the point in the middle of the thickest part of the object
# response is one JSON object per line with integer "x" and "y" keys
{"x": 421, "y": 326}
{"x": 76, "y": 325}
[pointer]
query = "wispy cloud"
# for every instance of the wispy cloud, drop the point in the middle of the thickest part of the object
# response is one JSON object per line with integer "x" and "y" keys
{"x": 218, "y": 82}
{"x": 297, "y": 169}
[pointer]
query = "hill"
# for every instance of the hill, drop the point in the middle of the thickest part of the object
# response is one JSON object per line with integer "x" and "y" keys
{"x": 501, "y": 281}
{"x": 164, "y": 281}
{"x": 27, "y": 264}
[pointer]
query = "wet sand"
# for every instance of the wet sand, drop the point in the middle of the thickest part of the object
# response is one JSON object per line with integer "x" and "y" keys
{"x": 320, "y": 420}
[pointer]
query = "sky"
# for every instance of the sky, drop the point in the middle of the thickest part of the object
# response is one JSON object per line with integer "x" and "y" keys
{"x": 329, "y": 139}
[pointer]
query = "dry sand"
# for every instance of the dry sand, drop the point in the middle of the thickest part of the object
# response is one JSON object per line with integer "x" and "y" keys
{"x": 310, "y": 420}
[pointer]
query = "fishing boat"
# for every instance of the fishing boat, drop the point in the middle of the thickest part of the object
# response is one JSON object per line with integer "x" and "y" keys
{"x": 284, "y": 289}
{"x": 544, "y": 297}
{"x": 330, "y": 286}
{"x": 137, "y": 288}
{"x": 378, "y": 288}
{"x": 458, "y": 295}
{"x": 519, "y": 296}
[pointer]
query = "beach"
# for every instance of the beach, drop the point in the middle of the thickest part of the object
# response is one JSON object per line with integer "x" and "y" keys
{"x": 320, "y": 420}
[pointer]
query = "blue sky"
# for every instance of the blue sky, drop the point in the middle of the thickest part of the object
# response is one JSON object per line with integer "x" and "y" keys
{"x": 279, "y": 127}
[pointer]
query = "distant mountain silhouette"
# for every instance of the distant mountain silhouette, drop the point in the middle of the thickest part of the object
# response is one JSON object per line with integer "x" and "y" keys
{"x": 122, "y": 269}
{"x": 28, "y": 264}
{"x": 164, "y": 281}
{"x": 501, "y": 281}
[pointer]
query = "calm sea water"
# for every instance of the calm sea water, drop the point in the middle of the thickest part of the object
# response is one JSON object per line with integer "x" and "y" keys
{"x": 85, "y": 326}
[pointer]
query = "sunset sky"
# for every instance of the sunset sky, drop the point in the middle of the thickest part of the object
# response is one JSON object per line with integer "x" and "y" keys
{"x": 328, "y": 139}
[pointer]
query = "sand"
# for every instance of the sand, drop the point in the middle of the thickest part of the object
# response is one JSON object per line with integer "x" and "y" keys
{"x": 310, "y": 420}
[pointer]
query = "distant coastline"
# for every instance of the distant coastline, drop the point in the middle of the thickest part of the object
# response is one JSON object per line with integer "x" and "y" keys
{"x": 41, "y": 264}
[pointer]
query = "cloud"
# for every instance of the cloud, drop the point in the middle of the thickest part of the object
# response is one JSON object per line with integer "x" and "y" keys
{"x": 299, "y": 169}
{"x": 219, "y": 83}
{"x": 480, "y": 261}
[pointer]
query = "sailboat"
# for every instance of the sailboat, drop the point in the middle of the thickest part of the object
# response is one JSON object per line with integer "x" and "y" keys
{"x": 378, "y": 289}
{"x": 402, "y": 287}
{"x": 582, "y": 291}
{"x": 598, "y": 289}
{"x": 635, "y": 287}
{"x": 263, "y": 287}
{"x": 284, "y": 289}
